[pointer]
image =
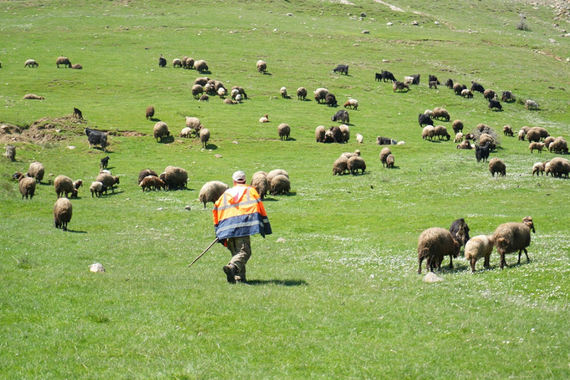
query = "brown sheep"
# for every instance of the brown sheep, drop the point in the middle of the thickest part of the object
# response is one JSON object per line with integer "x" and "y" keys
{"x": 33, "y": 97}
{"x": 27, "y": 185}
{"x": 37, "y": 171}
{"x": 320, "y": 134}
{"x": 204, "y": 137}
{"x": 496, "y": 165}
{"x": 62, "y": 212}
{"x": 513, "y": 237}
{"x": 63, "y": 61}
{"x": 435, "y": 243}
{"x": 384, "y": 153}
{"x": 149, "y": 112}
{"x": 457, "y": 126}
{"x": 508, "y": 131}
{"x": 284, "y": 130}
{"x": 64, "y": 185}
{"x": 536, "y": 146}
{"x": 390, "y": 161}
{"x": 340, "y": 166}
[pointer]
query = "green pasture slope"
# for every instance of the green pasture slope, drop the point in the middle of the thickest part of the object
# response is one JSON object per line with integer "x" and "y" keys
{"x": 339, "y": 298}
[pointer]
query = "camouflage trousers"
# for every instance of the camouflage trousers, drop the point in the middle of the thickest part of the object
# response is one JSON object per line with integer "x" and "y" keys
{"x": 240, "y": 248}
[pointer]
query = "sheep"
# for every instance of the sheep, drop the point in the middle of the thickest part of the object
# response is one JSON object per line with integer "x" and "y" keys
{"x": 536, "y": 146}
{"x": 283, "y": 130}
{"x": 145, "y": 173}
{"x": 33, "y": 97}
{"x": 204, "y": 137}
{"x": 193, "y": 122}
{"x": 440, "y": 131}
{"x": 356, "y": 163}
{"x": 204, "y": 98}
{"x": 31, "y": 63}
{"x": 512, "y": 237}
{"x": 526, "y": 129}
{"x": 538, "y": 168}
{"x": 160, "y": 131}
{"x": 424, "y": 119}
{"x": 104, "y": 162}
{"x": 457, "y": 88}
{"x": 62, "y": 212}
{"x": 559, "y": 167}
{"x": 485, "y": 139}
{"x": 408, "y": 80}
{"x": 161, "y": 61}
{"x": 64, "y": 185}
{"x": 63, "y": 61}
{"x": 320, "y": 94}
{"x": 390, "y": 161}
{"x": 301, "y": 93}
{"x": 202, "y": 81}
{"x": 494, "y": 104}
{"x": 283, "y": 92}
{"x": 433, "y": 244}
{"x": 343, "y": 69}
{"x": 151, "y": 183}
{"x": 386, "y": 76}
{"x": 352, "y": 104}
{"x": 466, "y": 93}
{"x": 477, "y": 87}
{"x": 489, "y": 94}
{"x": 496, "y": 165}
{"x": 522, "y": 135}
{"x": 508, "y": 97}
{"x": 549, "y": 140}
{"x": 275, "y": 173}
{"x": 531, "y": 105}
{"x": 10, "y": 152}
{"x": 508, "y": 131}
{"x": 449, "y": 83}
{"x": 95, "y": 137}
{"x": 234, "y": 93}
{"x": 211, "y": 191}
{"x": 77, "y": 184}
{"x": 428, "y": 132}
{"x": 241, "y": 91}
{"x": 345, "y": 130}
{"x": 464, "y": 145}
{"x": 547, "y": 169}
{"x": 457, "y": 126}
{"x": 261, "y": 66}
{"x": 432, "y": 84}
{"x": 396, "y": 85}
{"x": 433, "y": 78}
{"x": 342, "y": 116}
{"x": 559, "y": 145}
{"x": 542, "y": 132}
{"x": 77, "y": 113}
{"x": 188, "y": 63}
{"x": 459, "y": 231}
{"x": 347, "y": 155}
{"x": 26, "y": 185}
{"x": 186, "y": 132}
{"x": 336, "y": 135}
{"x": 428, "y": 112}
{"x": 176, "y": 62}
{"x": 222, "y": 92}
{"x": 37, "y": 171}
{"x": 97, "y": 188}
{"x": 359, "y": 138}
{"x": 415, "y": 78}
{"x": 482, "y": 152}
{"x": 478, "y": 247}
{"x": 259, "y": 181}
{"x": 484, "y": 128}
{"x": 174, "y": 178}
{"x": 440, "y": 113}
{"x": 149, "y": 112}
{"x": 458, "y": 137}
{"x": 201, "y": 66}
{"x": 108, "y": 180}
{"x": 76, "y": 66}
{"x": 280, "y": 184}
{"x": 533, "y": 135}
{"x": 229, "y": 101}
{"x": 197, "y": 91}
{"x": 264, "y": 119}
{"x": 330, "y": 100}
{"x": 340, "y": 166}
{"x": 320, "y": 134}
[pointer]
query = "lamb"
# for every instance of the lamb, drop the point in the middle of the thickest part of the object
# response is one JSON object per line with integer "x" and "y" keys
{"x": 176, "y": 62}
{"x": 62, "y": 212}
{"x": 458, "y": 137}
{"x": 174, "y": 178}
{"x": 204, "y": 98}
{"x": 428, "y": 132}
{"x": 433, "y": 78}
{"x": 204, "y": 137}
{"x": 64, "y": 185}
{"x": 193, "y": 123}
{"x": 280, "y": 184}
{"x": 356, "y": 163}
{"x": 432, "y": 84}
{"x": 359, "y": 138}
{"x": 76, "y": 66}
{"x": 160, "y": 131}
{"x": 508, "y": 131}
{"x": 466, "y": 93}
{"x": 37, "y": 171}
{"x": 460, "y": 231}
{"x": 186, "y": 132}
{"x": 496, "y": 165}
{"x": 97, "y": 188}
{"x": 201, "y": 66}
{"x": 464, "y": 145}
{"x": 424, "y": 119}
{"x": 397, "y": 85}
{"x": 161, "y": 61}
{"x": 513, "y": 237}
{"x": 559, "y": 145}
{"x": 10, "y": 152}
{"x": 478, "y": 247}
{"x": 26, "y": 185}
{"x": 440, "y": 131}
{"x": 197, "y": 91}
{"x": 211, "y": 191}
{"x": 108, "y": 180}
{"x": 63, "y": 61}
{"x": 275, "y": 173}
{"x": 342, "y": 116}
{"x": 241, "y": 91}
{"x": 259, "y": 181}
{"x": 489, "y": 94}
{"x": 345, "y": 130}
{"x": 340, "y": 166}
{"x": 104, "y": 162}
{"x": 330, "y": 100}
{"x": 536, "y": 146}
{"x": 477, "y": 87}
{"x": 343, "y": 69}
{"x": 320, "y": 134}
{"x": 33, "y": 97}
{"x": 531, "y": 105}
{"x": 320, "y": 94}
{"x": 145, "y": 173}
{"x": 31, "y": 63}
{"x": 149, "y": 112}
{"x": 95, "y": 137}
{"x": 522, "y": 134}
{"x": 301, "y": 93}
{"x": 352, "y": 104}
{"x": 283, "y": 92}
{"x": 390, "y": 161}
{"x": 507, "y": 97}
{"x": 457, "y": 126}
{"x": 433, "y": 244}
{"x": 261, "y": 66}
{"x": 284, "y": 130}
{"x": 229, "y": 101}
{"x": 538, "y": 168}
{"x": 152, "y": 183}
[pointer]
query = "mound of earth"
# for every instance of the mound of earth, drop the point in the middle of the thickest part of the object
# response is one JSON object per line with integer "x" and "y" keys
{"x": 43, "y": 130}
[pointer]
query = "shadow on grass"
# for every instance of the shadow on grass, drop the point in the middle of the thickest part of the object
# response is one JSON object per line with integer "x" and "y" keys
{"x": 155, "y": 119}
{"x": 289, "y": 139}
{"x": 267, "y": 73}
{"x": 211, "y": 146}
{"x": 166, "y": 140}
{"x": 278, "y": 282}
{"x": 76, "y": 232}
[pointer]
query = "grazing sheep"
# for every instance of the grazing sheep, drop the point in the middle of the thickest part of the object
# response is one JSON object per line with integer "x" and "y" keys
{"x": 508, "y": 131}
{"x": 204, "y": 137}
{"x": 340, "y": 166}
{"x": 241, "y": 91}
{"x": 531, "y": 105}
{"x": 533, "y": 135}
{"x": 397, "y": 85}
{"x": 26, "y": 185}
{"x": 145, "y": 173}
{"x": 193, "y": 122}
{"x": 229, "y": 101}
{"x": 222, "y": 92}
{"x": 485, "y": 139}
{"x": 559, "y": 146}
{"x": 320, "y": 134}
{"x": 433, "y": 78}
{"x": 449, "y": 83}
{"x": 64, "y": 185}
{"x": 390, "y": 161}
{"x": 496, "y": 165}
{"x": 259, "y": 181}
{"x": 280, "y": 184}
{"x": 359, "y": 138}
{"x": 458, "y": 137}
{"x": 330, "y": 100}
{"x": 33, "y": 97}
{"x": 460, "y": 231}
{"x": 104, "y": 162}
{"x": 547, "y": 169}
{"x": 10, "y": 152}
{"x": 261, "y": 66}
{"x": 342, "y": 116}
{"x": 62, "y": 212}
{"x": 489, "y": 94}
{"x": 283, "y": 92}
{"x": 495, "y": 105}
{"x": 161, "y": 61}
{"x": 347, "y": 155}
{"x": 424, "y": 119}
{"x": 428, "y": 112}
{"x": 536, "y": 146}
{"x": 549, "y": 140}
{"x": 343, "y": 69}
{"x": 385, "y": 76}
{"x": 512, "y": 237}
{"x": 522, "y": 135}
{"x": 186, "y": 132}
{"x": 234, "y": 93}
{"x": 440, "y": 131}
{"x": 408, "y": 80}
{"x": 301, "y": 93}
{"x": 432, "y": 84}
{"x": 160, "y": 130}
{"x": 320, "y": 94}
{"x": 356, "y": 163}
{"x": 152, "y": 183}
{"x": 204, "y": 98}
{"x": 482, "y": 152}
{"x": 508, "y": 97}
{"x": 542, "y": 132}
{"x": 275, "y": 173}
{"x": 559, "y": 167}
{"x": 174, "y": 178}
{"x": 416, "y": 78}
{"x": 336, "y": 135}
{"x": 95, "y": 137}
{"x": 108, "y": 180}
{"x": 188, "y": 63}
{"x": 466, "y": 93}
{"x": 465, "y": 145}
{"x": 428, "y": 132}
{"x": 77, "y": 184}
{"x": 176, "y": 62}
{"x": 457, "y": 88}
{"x": 352, "y": 104}
{"x": 478, "y": 247}
{"x": 283, "y": 130}
{"x": 36, "y": 170}
{"x": 97, "y": 188}
{"x": 76, "y": 66}
{"x": 202, "y": 81}
{"x": 149, "y": 112}
{"x": 63, "y": 61}
{"x": 477, "y": 87}
{"x": 211, "y": 191}
{"x": 538, "y": 168}
{"x": 433, "y": 244}
{"x": 345, "y": 130}
{"x": 201, "y": 66}
{"x": 197, "y": 91}
{"x": 31, "y": 63}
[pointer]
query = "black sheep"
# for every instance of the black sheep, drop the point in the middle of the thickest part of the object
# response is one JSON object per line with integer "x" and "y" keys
{"x": 424, "y": 119}
{"x": 330, "y": 99}
{"x": 387, "y": 76}
{"x": 95, "y": 137}
{"x": 433, "y": 78}
{"x": 77, "y": 113}
{"x": 508, "y": 97}
{"x": 161, "y": 61}
{"x": 477, "y": 87}
{"x": 337, "y": 134}
{"x": 482, "y": 152}
{"x": 454, "y": 229}
{"x": 495, "y": 104}
{"x": 342, "y": 116}
{"x": 104, "y": 163}
{"x": 416, "y": 79}
{"x": 343, "y": 69}
{"x": 449, "y": 83}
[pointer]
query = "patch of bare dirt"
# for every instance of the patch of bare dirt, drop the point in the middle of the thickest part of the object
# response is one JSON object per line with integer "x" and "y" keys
{"x": 43, "y": 130}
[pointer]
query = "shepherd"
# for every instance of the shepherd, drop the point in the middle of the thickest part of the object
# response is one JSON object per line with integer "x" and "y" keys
{"x": 238, "y": 214}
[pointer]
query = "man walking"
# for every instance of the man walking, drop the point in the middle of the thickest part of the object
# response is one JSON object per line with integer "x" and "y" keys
{"x": 238, "y": 214}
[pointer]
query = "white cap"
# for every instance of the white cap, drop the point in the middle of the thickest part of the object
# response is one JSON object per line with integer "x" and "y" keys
{"x": 239, "y": 177}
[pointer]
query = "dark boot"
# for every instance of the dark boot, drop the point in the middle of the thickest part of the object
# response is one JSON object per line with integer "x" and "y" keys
{"x": 230, "y": 271}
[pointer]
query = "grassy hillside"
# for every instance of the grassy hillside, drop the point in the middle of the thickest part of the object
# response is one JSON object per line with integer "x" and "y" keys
{"x": 340, "y": 296}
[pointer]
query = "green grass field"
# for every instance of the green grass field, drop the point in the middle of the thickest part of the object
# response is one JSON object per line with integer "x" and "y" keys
{"x": 340, "y": 297}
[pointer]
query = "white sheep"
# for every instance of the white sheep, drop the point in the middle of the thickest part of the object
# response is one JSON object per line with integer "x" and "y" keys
{"x": 478, "y": 247}
{"x": 261, "y": 66}
{"x": 283, "y": 92}
{"x": 531, "y": 104}
{"x": 264, "y": 119}
{"x": 428, "y": 132}
{"x": 359, "y": 138}
{"x": 31, "y": 63}
{"x": 186, "y": 132}
{"x": 408, "y": 80}
{"x": 458, "y": 137}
